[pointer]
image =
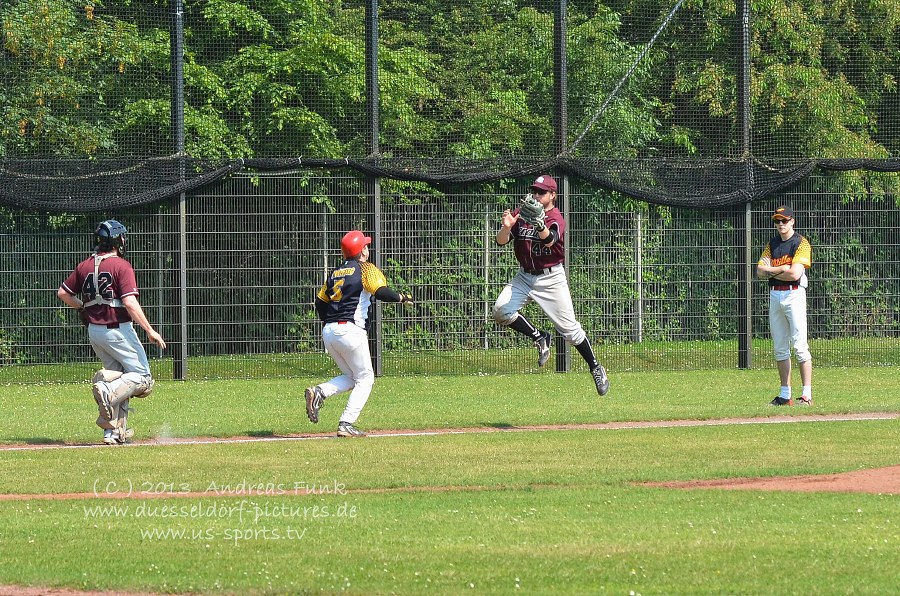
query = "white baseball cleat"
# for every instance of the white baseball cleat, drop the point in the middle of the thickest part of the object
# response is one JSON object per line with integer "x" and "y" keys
{"x": 601, "y": 381}
{"x": 345, "y": 429}
{"x": 543, "y": 346}
{"x": 118, "y": 436}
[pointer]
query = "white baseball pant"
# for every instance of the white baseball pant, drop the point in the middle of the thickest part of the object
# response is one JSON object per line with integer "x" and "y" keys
{"x": 550, "y": 291}
{"x": 348, "y": 345}
{"x": 787, "y": 321}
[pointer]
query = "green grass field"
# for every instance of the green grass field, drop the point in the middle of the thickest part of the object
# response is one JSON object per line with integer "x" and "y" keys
{"x": 645, "y": 356}
{"x": 552, "y": 511}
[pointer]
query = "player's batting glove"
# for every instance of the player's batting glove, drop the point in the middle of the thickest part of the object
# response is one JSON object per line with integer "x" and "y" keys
{"x": 532, "y": 212}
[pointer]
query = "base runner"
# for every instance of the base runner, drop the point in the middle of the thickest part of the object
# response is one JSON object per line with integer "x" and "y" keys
{"x": 343, "y": 304}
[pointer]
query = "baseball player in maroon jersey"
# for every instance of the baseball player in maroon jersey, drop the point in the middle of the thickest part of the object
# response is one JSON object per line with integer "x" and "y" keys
{"x": 103, "y": 289}
{"x": 342, "y": 303}
{"x": 783, "y": 263}
{"x": 537, "y": 230}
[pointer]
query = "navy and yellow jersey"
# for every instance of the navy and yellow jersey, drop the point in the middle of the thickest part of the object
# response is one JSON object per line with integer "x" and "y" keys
{"x": 347, "y": 293}
{"x": 795, "y": 249}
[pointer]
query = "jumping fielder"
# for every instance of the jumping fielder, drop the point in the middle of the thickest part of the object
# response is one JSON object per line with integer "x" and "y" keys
{"x": 108, "y": 304}
{"x": 537, "y": 230}
{"x": 342, "y": 304}
{"x": 783, "y": 263}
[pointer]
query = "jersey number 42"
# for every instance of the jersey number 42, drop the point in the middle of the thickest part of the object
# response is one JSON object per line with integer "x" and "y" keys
{"x": 104, "y": 285}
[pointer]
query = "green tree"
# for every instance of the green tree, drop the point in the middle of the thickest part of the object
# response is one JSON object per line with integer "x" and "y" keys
{"x": 70, "y": 68}
{"x": 288, "y": 77}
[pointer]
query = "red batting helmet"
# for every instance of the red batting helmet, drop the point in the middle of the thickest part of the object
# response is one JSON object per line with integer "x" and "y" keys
{"x": 353, "y": 242}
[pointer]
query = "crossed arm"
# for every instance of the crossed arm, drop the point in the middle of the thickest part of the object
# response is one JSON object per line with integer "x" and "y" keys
{"x": 765, "y": 270}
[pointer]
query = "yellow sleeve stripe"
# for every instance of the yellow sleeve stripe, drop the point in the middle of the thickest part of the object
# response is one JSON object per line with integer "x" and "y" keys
{"x": 372, "y": 278}
{"x": 804, "y": 254}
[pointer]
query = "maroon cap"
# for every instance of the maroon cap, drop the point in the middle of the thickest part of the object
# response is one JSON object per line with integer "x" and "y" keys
{"x": 545, "y": 182}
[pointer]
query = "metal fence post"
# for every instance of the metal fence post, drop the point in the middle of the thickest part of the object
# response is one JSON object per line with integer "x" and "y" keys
{"x": 563, "y": 354}
{"x": 378, "y": 239}
{"x": 488, "y": 242}
{"x": 745, "y": 306}
{"x": 376, "y": 339}
{"x": 177, "y": 117}
{"x": 561, "y": 126}
{"x": 745, "y": 294}
{"x": 638, "y": 329}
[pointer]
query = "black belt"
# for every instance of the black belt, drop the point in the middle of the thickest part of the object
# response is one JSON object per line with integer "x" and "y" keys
{"x": 785, "y": 288}
{"x": 112, "y": 326}
{"x": 540, "y": 271}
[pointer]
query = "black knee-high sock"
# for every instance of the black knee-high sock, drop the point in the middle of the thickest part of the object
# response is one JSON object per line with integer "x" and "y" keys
{"x": 587, "y": 352}
{"x": 524, "y": 326}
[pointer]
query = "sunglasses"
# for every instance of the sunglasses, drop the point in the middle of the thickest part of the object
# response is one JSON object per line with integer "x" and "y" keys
{"x": 781, "y": 221}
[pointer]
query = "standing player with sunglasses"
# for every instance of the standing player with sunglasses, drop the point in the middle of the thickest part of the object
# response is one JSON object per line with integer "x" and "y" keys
{"x": 537, "y": 230}
{"x": 783, "y": 263}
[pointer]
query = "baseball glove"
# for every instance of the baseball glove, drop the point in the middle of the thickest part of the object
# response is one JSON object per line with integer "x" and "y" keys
{"x": 532, "y": 212}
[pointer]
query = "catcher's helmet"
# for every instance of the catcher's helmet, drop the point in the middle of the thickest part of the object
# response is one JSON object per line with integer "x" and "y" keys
{"x": 111, "y": 234}
{"x": 353, "y": 242}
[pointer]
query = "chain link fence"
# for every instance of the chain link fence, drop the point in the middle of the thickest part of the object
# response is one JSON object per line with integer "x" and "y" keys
{"x": 656, "y": 288}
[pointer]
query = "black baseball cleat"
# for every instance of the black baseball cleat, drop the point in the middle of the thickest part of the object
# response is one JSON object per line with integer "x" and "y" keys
{"x": 345, "y": 429}
{"x": 314, "y": 399}
{"x": 600, "y": 379}
{"x": 781, "y": 401}
{"x": 543, "y": 346}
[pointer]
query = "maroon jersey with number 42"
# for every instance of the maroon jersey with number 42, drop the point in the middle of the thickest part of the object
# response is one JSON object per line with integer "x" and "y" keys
{"x": 530, "y": 253}
{"x": 116, "y": 279}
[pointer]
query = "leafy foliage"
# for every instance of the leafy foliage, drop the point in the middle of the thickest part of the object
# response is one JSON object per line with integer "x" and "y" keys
{"x": 280, "y": 78}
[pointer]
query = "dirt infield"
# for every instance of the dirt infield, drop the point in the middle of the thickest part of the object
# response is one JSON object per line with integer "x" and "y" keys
{"x": 28, "y": 591}
{"x": 393, "y": 433}
{"x": 877, "y": 481}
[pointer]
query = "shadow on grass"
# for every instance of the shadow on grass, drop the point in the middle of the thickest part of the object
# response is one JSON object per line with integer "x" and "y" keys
{"x": 40, "y": 441}
{"x": 260, "y": 433}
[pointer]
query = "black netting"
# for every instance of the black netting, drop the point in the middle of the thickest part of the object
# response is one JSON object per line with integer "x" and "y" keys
{"x": 78, "y": 185}
{"x": 674, "y": 103}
